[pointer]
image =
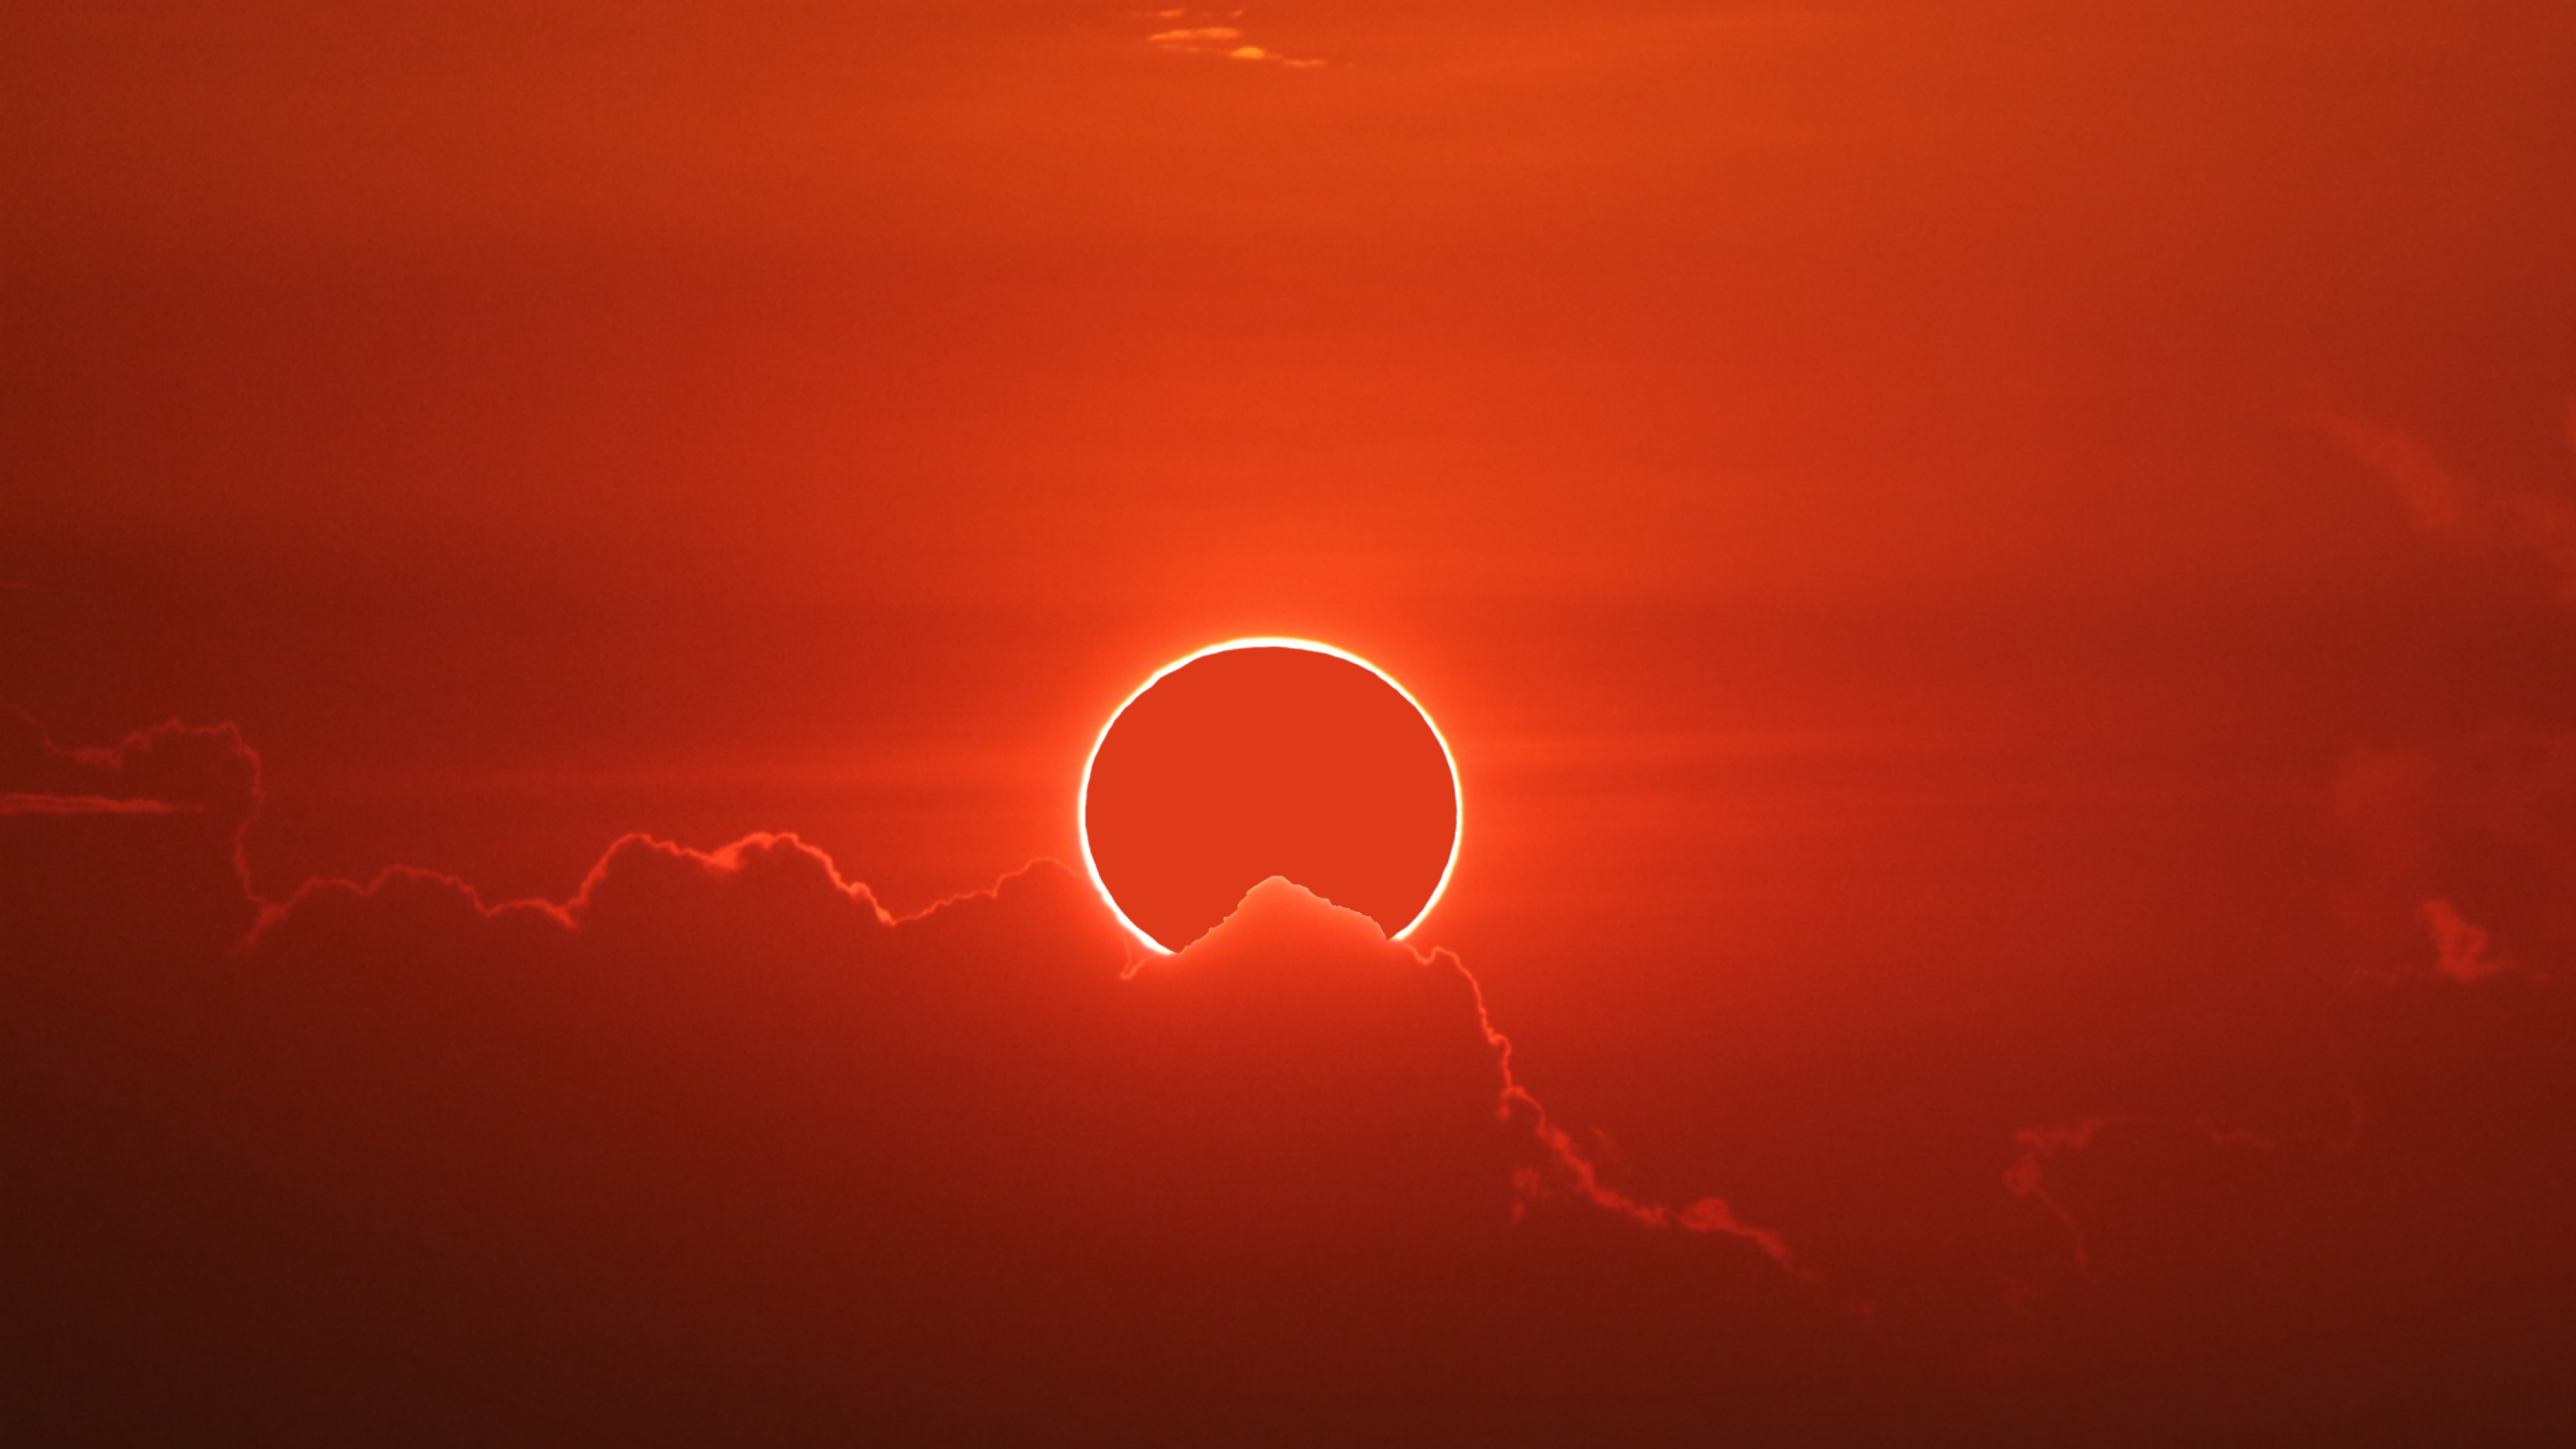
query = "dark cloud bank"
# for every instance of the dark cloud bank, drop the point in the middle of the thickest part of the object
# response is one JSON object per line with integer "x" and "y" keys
{"x": 719, "y": 1153}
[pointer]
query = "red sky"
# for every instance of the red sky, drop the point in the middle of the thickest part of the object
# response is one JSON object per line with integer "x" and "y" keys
{"x": 1986, "y": 565}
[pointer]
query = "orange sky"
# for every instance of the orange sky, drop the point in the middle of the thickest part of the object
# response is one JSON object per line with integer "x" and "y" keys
{"x": 755, "y": 399}
{"x": 1970, "y": 554}
{"x": 1710, "y": 301}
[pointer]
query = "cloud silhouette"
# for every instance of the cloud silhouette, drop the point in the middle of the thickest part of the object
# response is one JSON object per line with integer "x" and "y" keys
{"x": 2378, "y": 1234}
{"x": 171, "y": 767}
{"x": 718, "y": 1148}
{"x": 2448, "y": 1048}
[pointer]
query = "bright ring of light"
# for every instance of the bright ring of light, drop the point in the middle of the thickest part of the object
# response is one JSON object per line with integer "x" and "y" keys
{"x": 1082, "y": 795}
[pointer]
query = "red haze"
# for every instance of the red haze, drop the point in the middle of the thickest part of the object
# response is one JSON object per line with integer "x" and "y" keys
{"x": 1988, "y": 566}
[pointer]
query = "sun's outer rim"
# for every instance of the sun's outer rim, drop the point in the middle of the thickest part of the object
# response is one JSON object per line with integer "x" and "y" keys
{"x": 1082, "y": 797}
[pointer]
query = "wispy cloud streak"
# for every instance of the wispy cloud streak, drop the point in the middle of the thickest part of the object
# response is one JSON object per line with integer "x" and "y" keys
{"x": 26, "y": 802}
{"x": 2472, "y": 511}
{"x": 1213, "y": 33}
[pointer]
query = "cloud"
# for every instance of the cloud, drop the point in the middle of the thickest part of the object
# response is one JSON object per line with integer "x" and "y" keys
{"x": 2448, "y": 504}
{"x": 2410, "y": 1130}
{"x": 1565, "y": 1170}
{"x": 2461, "y": 874}
{"x": 2410, "y": 1243}
{"x": 2463, "y": 951}
{"x": 2405, "y": 1168}
{"x": 112, "y": 847}
{"x": 37, "y": 803}
{"x": 2037, "y": 1147}
{"x": 1214, "y": 34}
{"x": 169, "y": 767}
{"x": 719, "y": 1147}
{"x": 2462, "y": 854}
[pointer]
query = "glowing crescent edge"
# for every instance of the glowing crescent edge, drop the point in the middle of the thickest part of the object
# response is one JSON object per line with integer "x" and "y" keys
{"x": 1082, "y": 800}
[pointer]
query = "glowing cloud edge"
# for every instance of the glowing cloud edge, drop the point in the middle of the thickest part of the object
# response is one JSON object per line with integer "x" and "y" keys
{"x": 1082, "y": 795}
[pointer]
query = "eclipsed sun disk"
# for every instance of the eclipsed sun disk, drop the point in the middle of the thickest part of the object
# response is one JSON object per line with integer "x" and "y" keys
{"x": 1267, "y": 757}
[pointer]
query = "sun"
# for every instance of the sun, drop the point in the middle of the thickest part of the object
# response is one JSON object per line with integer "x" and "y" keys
{"x": 1268, "y": 757}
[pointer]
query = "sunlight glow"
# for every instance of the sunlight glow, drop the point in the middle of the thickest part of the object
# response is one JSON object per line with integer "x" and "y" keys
{"x": 1082, "y": 795}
